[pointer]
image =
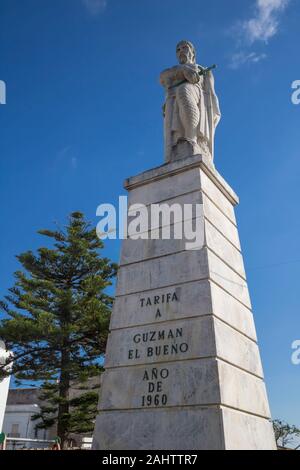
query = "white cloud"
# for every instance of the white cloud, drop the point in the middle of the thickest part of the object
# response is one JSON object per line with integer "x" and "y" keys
{"x": 242, "y": 58}
{"x": 260, "y": 28}
{"x": 264, "y": 24}
{"x": 94, "y": 7}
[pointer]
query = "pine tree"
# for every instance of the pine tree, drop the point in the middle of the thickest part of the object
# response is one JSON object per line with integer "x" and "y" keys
{"x": 56, "y": 319}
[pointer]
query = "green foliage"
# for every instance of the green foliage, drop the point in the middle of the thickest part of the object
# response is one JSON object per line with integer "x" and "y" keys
{"x": 56, "y": 319}
{"x": 285, "y": 434}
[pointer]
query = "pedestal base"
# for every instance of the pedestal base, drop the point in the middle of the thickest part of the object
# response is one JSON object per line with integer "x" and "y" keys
{"x": 183, "y": 369}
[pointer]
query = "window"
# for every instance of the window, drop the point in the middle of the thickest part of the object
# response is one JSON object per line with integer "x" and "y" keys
{"x": 14, "y": 430}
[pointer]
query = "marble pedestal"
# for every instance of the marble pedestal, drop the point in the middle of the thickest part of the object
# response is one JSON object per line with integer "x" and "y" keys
{"x": 183, "y": 368}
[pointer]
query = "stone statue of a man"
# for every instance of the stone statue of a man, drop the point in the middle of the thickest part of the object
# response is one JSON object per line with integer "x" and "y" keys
{"x": 191, "y": 111}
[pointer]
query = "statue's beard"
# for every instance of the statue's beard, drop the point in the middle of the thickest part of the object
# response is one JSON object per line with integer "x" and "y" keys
{"x": 183, "y": 58}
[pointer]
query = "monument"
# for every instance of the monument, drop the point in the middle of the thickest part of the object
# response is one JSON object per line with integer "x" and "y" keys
{"x": 191, "y": 110}
{"x": 183, "y": 368}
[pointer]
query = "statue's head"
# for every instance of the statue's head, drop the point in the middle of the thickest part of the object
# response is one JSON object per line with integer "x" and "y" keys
{"x": 186, "y": 53}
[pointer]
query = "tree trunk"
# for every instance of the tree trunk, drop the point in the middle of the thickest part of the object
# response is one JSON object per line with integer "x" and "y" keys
{"x": 63, "y": 407}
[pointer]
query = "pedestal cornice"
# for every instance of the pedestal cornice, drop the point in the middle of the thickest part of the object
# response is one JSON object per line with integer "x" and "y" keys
{"x": 169, "y": 169}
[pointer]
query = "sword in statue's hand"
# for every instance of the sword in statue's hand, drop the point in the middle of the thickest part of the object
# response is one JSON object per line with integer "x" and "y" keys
{"x": 202, "y": 71}
{"x": 205, "y": 70}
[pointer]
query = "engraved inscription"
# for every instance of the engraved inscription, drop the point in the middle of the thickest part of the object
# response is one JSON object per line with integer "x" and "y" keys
{"x": 155, "y": 381}
{"x": 159, "y": 299}
{"x": 157, "y": 343}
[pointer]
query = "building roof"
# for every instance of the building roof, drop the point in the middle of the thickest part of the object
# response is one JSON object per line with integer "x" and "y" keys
{"x": 23, "y": 396}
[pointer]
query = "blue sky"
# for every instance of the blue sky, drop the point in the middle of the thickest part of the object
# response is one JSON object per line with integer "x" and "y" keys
{"x": 83, "y": 113}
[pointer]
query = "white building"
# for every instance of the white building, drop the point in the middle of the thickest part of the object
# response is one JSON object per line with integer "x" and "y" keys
{"x": 22, "y": 404}
{"x": 18, "y": 423}
{"x": 4, "y": 385}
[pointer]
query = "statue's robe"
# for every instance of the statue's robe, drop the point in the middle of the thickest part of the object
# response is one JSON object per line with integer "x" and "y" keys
{"x": 204, "y": 97}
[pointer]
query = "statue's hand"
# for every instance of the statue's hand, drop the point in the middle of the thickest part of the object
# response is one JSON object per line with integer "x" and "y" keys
{"x": 191, "y": 75}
